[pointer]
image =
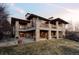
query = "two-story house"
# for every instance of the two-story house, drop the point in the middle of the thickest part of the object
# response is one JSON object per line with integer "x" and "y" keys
{"x": 37, "y": 28}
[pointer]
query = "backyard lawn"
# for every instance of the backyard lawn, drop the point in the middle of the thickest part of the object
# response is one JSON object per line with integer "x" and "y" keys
{"x": 47, "y": 47}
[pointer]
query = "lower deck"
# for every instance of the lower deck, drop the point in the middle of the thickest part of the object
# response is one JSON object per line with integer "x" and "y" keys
{"x": 43, "y": 34}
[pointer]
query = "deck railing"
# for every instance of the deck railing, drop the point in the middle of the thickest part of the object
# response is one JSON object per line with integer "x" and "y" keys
{"x": 26, "y": 27}
{"x": 53, "y": 26}
{"x": 44, "y": 25}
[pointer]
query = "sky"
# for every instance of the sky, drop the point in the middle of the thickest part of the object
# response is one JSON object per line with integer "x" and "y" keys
{"x": 66, "y": 11}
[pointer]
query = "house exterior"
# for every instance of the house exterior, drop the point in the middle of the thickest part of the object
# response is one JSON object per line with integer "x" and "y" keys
{"x": 38, "y": 28}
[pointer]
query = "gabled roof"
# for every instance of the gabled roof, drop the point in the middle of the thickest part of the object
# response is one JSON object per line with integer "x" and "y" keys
{"x": 29, "y": 16}
{"x": 60, "y": 20}
{"x": 18, "y": 19}
{"x": 13, "y": 19}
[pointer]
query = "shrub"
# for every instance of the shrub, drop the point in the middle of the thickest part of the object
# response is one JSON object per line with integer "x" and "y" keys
{"x": 72, "y": 36}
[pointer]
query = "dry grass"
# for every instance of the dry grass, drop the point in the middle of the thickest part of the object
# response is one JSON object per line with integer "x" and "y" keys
{"x": 47, "y": 47}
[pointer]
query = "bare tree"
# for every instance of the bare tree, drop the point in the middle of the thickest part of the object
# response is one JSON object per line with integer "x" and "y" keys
{"x": 5, "y": 26}
{"x": 70, "y": 26}
{"x": 77, "y": 27}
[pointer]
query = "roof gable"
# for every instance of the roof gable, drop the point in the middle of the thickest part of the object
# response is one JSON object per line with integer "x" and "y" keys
{"x": 13, "y": 20}
{"x": 30, "y": 16}
{"x": 60, "y": 20}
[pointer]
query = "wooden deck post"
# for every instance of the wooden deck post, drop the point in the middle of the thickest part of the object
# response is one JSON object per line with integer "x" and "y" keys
{"x": 16, "y": 29}
{"x": 49, "y": 31}
{"x": 57, "y": 31}
{"x": 37, "y": 32}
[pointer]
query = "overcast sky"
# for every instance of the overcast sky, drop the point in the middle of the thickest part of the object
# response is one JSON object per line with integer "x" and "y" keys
{"x": 67, "y": 11}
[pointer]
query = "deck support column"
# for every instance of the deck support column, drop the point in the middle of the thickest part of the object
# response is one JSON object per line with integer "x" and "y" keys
{"x": 63, "y": 31}
{"x": 49, "y": 32}
{"x": 57, "y": 31}
{"x": 17, "y": 29}
{"x": 37, "y": 32}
